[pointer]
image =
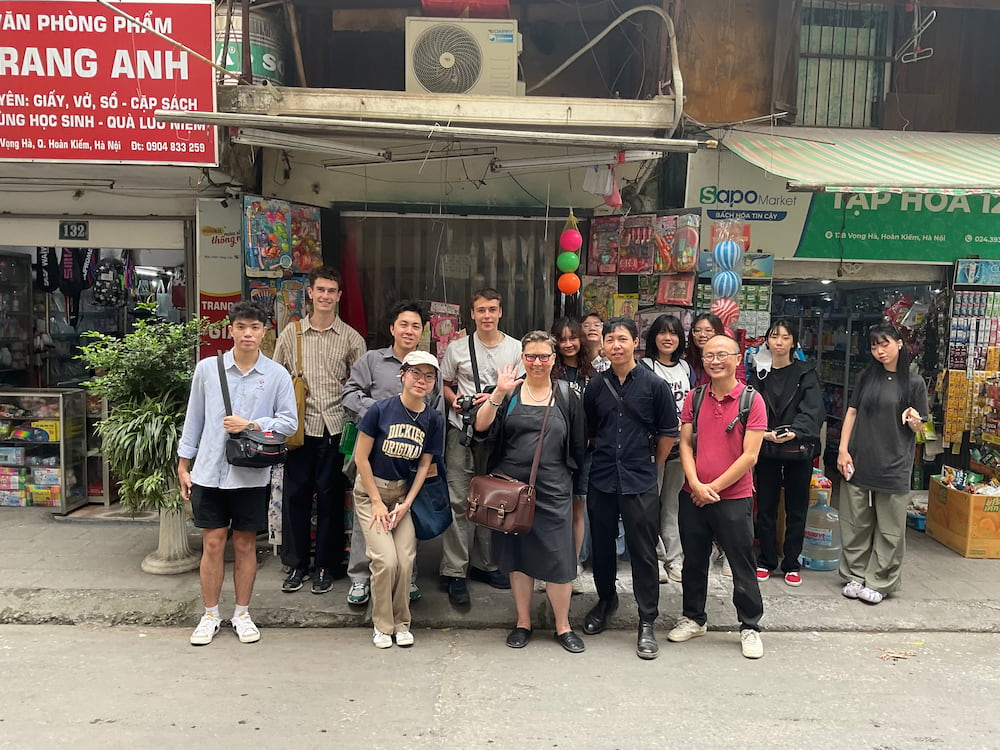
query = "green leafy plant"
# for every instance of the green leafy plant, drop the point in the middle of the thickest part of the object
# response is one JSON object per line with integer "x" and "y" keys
{"x": 146, "y": 377}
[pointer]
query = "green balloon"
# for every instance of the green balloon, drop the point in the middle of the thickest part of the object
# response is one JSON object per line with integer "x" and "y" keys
{"x": 568, "y": 262}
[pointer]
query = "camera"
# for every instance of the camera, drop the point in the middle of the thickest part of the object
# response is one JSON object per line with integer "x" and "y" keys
{"x": 466, "y": 404}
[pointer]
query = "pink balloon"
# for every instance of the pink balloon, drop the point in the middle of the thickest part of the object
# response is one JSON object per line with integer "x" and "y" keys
{"x": 571, "y": 240}
{"x": 727, "y": 310}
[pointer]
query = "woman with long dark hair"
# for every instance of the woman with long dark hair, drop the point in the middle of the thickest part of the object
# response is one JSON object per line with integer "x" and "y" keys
{"x": 795, "y": 414}
{"x": 574, "y": 356}
{"x": 885, "y": 411}
{"x": 665, "y": 343}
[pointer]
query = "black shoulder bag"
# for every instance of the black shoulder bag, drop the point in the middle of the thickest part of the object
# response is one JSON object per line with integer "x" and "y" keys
{"x": 256, "y": 449}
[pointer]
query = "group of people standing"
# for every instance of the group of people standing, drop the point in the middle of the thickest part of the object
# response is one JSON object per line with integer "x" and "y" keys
{"x": 618, "y": 440}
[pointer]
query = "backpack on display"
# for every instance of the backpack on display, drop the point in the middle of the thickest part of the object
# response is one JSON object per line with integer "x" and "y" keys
{"x": 698, "y": 395}
{"x": 109, "y": 287}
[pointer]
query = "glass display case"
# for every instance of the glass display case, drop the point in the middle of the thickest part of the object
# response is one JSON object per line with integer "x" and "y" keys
{"x": 43, "y": 448}
{"x": 101, "y": 487}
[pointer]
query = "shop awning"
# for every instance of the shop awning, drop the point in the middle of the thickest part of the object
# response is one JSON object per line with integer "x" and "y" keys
{"x": 872, "y": 161}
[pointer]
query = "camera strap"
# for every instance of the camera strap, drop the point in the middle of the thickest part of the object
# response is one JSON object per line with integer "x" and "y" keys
{"x": 475, "y": 364}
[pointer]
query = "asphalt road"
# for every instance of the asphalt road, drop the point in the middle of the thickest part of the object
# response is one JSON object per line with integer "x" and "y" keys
{"x": 131, "y": 687}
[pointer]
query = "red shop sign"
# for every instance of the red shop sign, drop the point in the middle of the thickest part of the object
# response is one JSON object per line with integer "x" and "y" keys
{"x": 80, "y": 83}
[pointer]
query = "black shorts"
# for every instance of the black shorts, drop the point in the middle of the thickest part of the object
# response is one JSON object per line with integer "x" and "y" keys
{"x": 243, "y": 509}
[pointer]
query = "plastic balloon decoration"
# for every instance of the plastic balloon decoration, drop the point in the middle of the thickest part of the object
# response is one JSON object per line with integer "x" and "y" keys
{"x": 727, "y": 279}
{"x": 726, "y": 284}
{"x": 569, "y": 283}
{"x": 727, "y": 310}
{"x": 568, "y": 261}
{"x": 728, "y": 255}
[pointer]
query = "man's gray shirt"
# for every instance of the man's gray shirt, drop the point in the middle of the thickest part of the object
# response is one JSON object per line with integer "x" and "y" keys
{"x": 375, "y": 376}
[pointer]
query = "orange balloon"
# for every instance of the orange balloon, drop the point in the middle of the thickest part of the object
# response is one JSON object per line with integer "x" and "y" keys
{"x": 569, "y": 283}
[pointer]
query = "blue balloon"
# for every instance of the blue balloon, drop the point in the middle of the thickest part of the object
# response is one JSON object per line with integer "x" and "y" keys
{"x": 728, "y": 255}
{"x": 726, "y": 284}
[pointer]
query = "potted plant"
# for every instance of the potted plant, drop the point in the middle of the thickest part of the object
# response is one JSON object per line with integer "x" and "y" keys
{"x": 145, "y": 376}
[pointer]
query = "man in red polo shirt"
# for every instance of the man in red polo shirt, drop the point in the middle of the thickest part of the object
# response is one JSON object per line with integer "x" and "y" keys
{"x": 717, "y": 498}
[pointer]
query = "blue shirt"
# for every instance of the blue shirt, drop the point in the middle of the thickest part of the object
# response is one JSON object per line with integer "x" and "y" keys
{"x": 263, "y": 395}
{"x": 401, "y": 437}
{"x": 621, "y": 459}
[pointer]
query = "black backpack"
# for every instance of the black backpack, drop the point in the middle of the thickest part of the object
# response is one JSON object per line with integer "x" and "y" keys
{"x": 746, "y": 401}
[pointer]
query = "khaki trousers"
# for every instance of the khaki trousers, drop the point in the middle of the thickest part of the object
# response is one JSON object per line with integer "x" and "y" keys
{"x": 464, "y": 543}
{"x": 391, "y": 556}
{"x": 873, "y": 535}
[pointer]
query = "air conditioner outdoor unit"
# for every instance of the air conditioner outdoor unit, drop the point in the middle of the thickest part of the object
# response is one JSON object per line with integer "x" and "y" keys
{"x": 462, "y": 56}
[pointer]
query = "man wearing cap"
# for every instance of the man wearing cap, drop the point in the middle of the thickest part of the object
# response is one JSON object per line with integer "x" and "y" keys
{"x": 398, "y": 438}
{"x": 375, "y": 377}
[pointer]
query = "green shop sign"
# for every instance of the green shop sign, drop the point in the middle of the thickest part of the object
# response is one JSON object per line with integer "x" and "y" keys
{"x": 930, "y": 227}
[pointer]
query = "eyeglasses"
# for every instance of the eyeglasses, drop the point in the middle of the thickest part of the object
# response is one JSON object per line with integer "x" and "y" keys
{"x": 425, "y": 376}
{"x": 543, "y": 358}
{"x": 718, "y": 356}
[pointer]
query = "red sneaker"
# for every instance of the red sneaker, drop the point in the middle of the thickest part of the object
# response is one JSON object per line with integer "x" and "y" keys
{"x": 793, "y": 578}
{"x": 763, "y": 574}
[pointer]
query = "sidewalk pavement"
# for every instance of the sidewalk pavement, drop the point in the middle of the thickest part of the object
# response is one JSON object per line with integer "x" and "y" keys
{"x": 67, "y": 571}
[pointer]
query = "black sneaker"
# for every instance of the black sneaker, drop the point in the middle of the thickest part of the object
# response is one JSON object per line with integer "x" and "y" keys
{"x": 323, "y": 581}
{"x": 493, "y": 578}
{"x": 458, "y": 592}
{"x": 294, "y": 581}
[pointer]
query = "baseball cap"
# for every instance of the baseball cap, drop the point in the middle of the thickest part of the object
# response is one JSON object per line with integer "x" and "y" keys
{"x": 421, "y": 358}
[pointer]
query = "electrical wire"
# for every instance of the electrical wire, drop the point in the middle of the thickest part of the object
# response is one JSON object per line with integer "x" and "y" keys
{"x": 678, "y": 81}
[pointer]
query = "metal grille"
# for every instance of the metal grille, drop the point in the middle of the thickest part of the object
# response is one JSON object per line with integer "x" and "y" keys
{"x": 844, "y": 63}
{"x": 446, "y": 258}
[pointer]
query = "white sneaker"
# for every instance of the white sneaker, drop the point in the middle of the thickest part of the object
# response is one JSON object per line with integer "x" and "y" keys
{"x": 539, "y": 585}
{"x": 685, "y": 630}
{"x": 674, "y": 572}
{"x": 853, "y": 589}
{"x": 403, "y": 638}
{"x": 359, "y": 592}
{"x": 664, "y": 573}
{"x": 245, "y": 628}
{"x": 870, "y": 596}
{"x": 414, "y": 592}
{"x": 753, "y": 646}
{"x": 577, "y": 585}
{"x": 381, "y": 640}
{"x": 208, "y": 626}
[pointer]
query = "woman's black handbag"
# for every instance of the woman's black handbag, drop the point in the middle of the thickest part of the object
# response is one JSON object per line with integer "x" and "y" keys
{"x": 793, "y": 450}
{"x": 431, "y": 509}
{"x": 255, "y": 449}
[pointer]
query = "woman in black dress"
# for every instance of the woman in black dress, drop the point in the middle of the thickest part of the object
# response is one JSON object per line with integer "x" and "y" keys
{"x": 513, "y": 414}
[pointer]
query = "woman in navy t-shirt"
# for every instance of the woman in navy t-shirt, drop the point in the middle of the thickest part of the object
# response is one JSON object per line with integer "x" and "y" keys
{"x": 396, "y": 437}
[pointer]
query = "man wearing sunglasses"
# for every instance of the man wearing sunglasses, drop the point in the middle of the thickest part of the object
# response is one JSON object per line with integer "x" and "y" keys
{"x": 717, "y": 498}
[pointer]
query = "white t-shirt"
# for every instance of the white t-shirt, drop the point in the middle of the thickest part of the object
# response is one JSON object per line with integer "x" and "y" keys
{"x": 456, "y": 367}
{"x": 677, "y": 375}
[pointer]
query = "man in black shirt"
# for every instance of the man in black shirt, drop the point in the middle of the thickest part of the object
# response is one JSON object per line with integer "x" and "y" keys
{"x": 632, "y": 423}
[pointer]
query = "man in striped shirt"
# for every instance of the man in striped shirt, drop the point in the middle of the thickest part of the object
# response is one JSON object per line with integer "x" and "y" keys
{"x": 329, "y": 349}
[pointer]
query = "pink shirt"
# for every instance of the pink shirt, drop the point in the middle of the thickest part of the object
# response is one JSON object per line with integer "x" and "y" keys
{"x": 718, "y": 449}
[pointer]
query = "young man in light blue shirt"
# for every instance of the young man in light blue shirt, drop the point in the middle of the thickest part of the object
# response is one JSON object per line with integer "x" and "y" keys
{"x": 224, "y": 496}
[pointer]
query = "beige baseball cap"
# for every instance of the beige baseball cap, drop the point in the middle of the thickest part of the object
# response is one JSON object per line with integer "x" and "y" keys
{"x": 421, "y": 358}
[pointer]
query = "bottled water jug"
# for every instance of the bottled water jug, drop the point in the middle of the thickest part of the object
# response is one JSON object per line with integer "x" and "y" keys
{"x": 821, "y": 547}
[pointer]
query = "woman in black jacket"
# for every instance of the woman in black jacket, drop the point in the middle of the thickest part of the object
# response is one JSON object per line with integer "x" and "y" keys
{"x": 795, "y": 414}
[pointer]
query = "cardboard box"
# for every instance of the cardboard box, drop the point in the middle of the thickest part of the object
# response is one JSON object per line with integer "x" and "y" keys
{"x": 968, "y": 524}
{"x": 48, "y": 496}
{"x": 11, "y": 455}
{"x": 13, "y": 498}
{"x": 46, "y": 475}
{"x": 49, "y": 426}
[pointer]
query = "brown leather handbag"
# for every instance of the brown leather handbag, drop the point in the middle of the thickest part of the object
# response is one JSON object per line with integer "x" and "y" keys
{"x": 502, "y": 503}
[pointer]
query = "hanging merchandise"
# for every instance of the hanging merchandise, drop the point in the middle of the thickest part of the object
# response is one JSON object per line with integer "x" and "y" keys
{"x": 46, "y": 269}
{"x": 109, "y": 287}
{"x": 178, "y": 292}
{"x": 128, "y": 272}
{"x": 614, "y": 198}
{"x": 727, "y": 311}
{"x": 598, "y": 180}
{"x": 307, "y": 251}
{"x": 637, "y": 247}
{"x": 605, "y": 238}
{"x": 266, "y": 236}
{"x": 686, "y": 241}
{"x": 728, "y": 256}
{"x": 568, "y": 261}
{"x": 88, "y": 269}
{"x": 726, "y": 283}
{"x": 71, "y": 283}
